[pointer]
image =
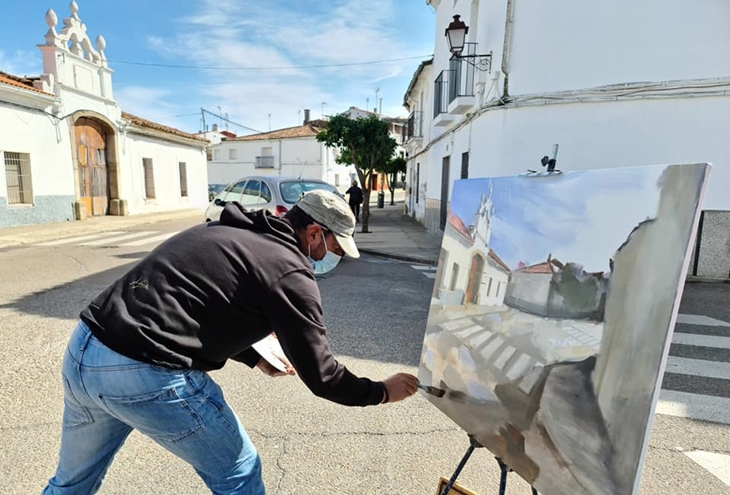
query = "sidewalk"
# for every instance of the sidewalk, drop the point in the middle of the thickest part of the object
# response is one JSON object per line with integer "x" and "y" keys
{"x": 19, "y": 236}
{"x": 397, "y": 236}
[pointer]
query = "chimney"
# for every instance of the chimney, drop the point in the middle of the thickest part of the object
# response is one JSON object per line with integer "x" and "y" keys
{"x": 306, "y": 115}
{"x": 215, "y": 127}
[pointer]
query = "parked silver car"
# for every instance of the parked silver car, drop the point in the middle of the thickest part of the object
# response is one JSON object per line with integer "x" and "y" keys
{"x": 274, "y": 193}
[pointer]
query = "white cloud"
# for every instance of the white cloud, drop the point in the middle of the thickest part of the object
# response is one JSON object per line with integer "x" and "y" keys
{"x": 243, "y": 33}
{"x": 20, "y": 63}
{"x": 151, "y": 104}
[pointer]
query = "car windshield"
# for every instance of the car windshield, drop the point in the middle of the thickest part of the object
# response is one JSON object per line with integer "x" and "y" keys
{"x": 291, "y": 191}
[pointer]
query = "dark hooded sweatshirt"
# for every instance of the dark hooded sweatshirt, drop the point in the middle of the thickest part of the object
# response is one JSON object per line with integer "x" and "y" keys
{"x": 207, "y": 294}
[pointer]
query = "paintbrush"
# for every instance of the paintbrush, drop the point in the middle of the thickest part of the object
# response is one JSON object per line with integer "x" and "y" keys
{"x": 437, "y": 392}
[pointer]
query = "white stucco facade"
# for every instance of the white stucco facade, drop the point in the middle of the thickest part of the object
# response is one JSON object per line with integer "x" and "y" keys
{"x": 656, "y": 93}
{"x": 70, "y": 152}
{"x": 277, "y": 153}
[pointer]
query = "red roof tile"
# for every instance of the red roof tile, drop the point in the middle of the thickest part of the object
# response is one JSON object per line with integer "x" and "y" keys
{"x": 139, "y": 121}
{"x": 21, "y": 82}
{"x": 310, "y": 129}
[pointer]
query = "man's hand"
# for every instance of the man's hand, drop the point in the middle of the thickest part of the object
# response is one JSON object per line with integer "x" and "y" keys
{"x": 270, "y": 370}
{"x": 401, "y": 386}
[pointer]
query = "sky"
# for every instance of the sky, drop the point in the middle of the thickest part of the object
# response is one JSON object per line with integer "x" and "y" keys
{"x": 581, "y": 217}
{"x": 252, "y": 59}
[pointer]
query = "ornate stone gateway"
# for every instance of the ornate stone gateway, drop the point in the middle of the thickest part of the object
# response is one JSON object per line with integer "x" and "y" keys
{"x": 91, "y": 162}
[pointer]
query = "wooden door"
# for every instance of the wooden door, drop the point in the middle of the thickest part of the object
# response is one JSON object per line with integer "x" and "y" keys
{"x": 475, "y": 280}
{"x": 92, "y": 166}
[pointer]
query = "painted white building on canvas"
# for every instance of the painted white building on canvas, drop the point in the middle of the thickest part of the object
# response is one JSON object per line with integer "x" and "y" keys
{"x": 293, "y": 151}
{"x": 69, "y": 151}
{"x": 470, "y": 272}
{"x": 625, "y": 84}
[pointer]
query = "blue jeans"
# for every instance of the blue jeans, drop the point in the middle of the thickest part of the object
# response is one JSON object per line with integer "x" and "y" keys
{"x": 107, "y": 395}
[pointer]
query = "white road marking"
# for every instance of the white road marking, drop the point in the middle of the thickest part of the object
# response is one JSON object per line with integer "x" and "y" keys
{"x": 698, "y": 367}
{"x": 111, "y": 240}
{"x": 717, "y": 464}
{"x": 457, "y": 324}
{"x": 142, "y": 242}
{"x": 430, "y": 275}
{"x": 507, "y": 353}
{"x": 694, "y": 406}
{"x": 423, "y": 267}
{"x": 701, "y": 320}
{"x": 70, "y": 240}
{"x": 701, "y": 340}
{"x": 520, "y": 367}
{"x": 465, "y": 333}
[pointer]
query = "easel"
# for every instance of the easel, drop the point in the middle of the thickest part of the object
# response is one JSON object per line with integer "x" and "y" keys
{"x": 474, "y": 444}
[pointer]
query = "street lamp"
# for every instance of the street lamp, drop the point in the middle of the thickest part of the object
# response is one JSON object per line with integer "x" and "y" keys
{"x": 456, "y": 36}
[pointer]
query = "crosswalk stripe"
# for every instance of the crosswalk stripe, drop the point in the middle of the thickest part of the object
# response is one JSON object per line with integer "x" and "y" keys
{"x": 698, "y": 367}
{"x": 701, "y": 340}
{"x": 110, "y": 240}
{"x": 142, "y": 242}
{"x": 70, "y": 240}
{"x": 695, "y": 406}
{"x": 701, "y": 320}
{"x": 717, "y": 464}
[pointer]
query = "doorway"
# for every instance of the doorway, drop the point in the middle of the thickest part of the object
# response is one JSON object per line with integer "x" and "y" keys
{"x": 445, "y": 166}
{"x": 91, "y": 162}
{"x": 475, "y": 279}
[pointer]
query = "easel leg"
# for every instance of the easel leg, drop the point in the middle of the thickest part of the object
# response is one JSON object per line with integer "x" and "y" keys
{"x": 503, "y": 478}
{"x": 458, "y": 469}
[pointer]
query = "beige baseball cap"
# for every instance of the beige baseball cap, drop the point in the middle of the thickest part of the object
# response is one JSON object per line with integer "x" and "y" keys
{"x": 333, "y": 213}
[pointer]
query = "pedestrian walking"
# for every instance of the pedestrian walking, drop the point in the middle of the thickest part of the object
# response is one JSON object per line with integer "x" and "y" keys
{"x": 140, "y": 355}
{"x": 356, "y": 198}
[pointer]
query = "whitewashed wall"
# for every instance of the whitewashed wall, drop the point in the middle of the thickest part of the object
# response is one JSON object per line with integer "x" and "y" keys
{"x": 28, "y": 131}
{"x": 577, "y": 48}
{"x": 165, "y": 158}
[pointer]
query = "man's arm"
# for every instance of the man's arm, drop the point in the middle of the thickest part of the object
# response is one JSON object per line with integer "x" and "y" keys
{"x": 294, "y": 308}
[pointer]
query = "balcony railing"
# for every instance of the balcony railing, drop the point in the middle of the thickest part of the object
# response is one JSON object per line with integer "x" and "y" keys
{"x": 462, "y": 69}
{"x": 441, "y": 93}
{"x": 264, "y": 162}
{"x": 414, "y": 127}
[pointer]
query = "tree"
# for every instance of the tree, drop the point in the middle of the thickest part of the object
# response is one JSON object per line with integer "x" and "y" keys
{"x": 391, "y": 169}
{"x": 364, "y": 143}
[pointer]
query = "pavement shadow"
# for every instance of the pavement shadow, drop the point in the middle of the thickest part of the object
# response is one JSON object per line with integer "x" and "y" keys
{"x": 66, "y": 300}
{"x": 374, "y": 310}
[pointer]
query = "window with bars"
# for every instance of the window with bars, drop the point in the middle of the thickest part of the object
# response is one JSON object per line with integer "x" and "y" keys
{"x": 18, "y": 178}
{"x": 149, "y": 178}
{"x": 183, "y": 179}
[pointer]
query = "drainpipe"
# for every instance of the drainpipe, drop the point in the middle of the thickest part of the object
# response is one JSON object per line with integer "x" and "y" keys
{"x": 506, "y": 48}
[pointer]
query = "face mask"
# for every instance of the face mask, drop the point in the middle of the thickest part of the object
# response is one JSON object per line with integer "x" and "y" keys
{"x": 326, "y": 264}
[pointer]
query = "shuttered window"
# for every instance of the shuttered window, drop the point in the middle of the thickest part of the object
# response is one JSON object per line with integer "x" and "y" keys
{"x": 18, "y": 179}
{"x": 149, "y": 178}
{"x": 183, "y": 179}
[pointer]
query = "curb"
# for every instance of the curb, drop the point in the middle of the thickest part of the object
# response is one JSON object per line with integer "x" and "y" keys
{"x": 398, "y": 257}
{"x": 712, "y": 280}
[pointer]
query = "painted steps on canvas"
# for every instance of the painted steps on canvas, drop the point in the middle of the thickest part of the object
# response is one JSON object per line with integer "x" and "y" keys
{"x": 696, "y": 382}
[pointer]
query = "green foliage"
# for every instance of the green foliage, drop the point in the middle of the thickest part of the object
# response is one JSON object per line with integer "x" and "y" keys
{"x": 363, "y": 142}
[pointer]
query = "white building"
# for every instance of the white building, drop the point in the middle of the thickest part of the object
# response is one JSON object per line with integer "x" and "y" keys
{"x": 293, "y": 151}
{"x": 70, "y": 152}
{"x": 470, "y": 272}
{"x": 635, "y": 84}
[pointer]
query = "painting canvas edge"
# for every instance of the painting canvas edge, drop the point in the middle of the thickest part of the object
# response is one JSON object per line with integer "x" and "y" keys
{"x": 672, "y": 323}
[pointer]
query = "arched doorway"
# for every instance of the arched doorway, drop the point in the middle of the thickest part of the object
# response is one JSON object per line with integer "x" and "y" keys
{"x": 92, "y": 165}
{"x": 475, "y": 280}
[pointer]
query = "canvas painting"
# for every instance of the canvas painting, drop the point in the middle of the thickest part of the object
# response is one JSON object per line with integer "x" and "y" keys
{"x": 552, "y": 313}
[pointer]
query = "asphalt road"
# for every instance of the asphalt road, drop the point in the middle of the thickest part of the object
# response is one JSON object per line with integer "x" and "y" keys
{"x": 376, "y": 312}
